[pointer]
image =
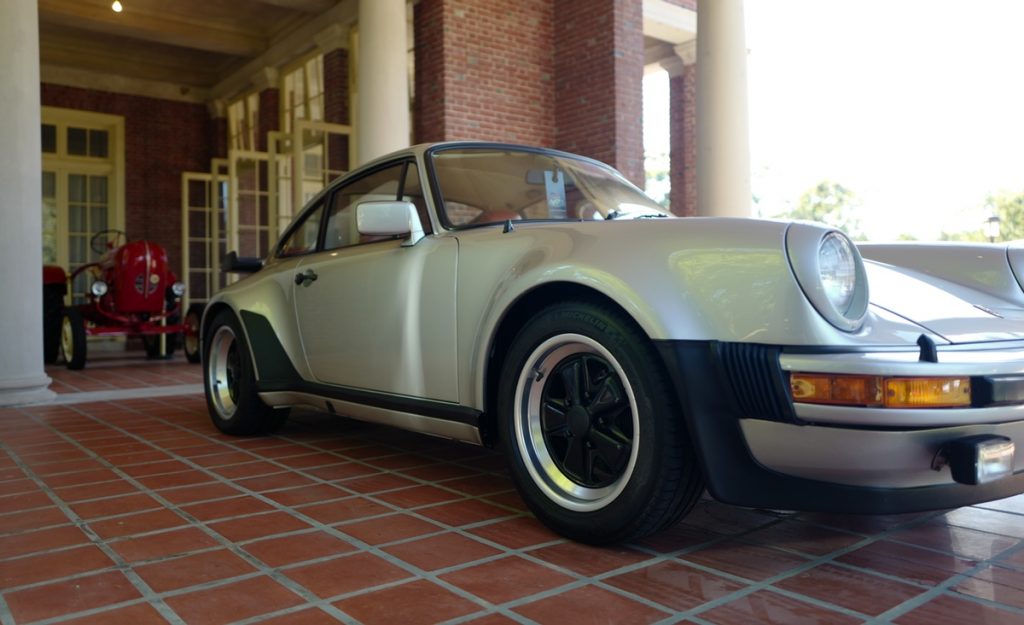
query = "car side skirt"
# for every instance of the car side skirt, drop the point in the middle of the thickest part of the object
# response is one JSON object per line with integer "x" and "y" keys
{"x": 279, "y": 384}
{"x": 713, "y": 415}
{"x": 435, "y": 426}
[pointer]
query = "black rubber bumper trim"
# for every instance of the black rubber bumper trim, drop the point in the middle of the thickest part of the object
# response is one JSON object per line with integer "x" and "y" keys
{"x": 734, "y": 476}
{"x": 997, "y": 390}
{"x": 278, "y": 374}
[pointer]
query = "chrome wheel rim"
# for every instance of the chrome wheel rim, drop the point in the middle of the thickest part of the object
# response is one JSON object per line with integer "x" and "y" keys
{"x": 191, "y": 338}
{"x": 67, "y": 338}
{"x": 223, "y": 371}
{"x": 576, "y": 422}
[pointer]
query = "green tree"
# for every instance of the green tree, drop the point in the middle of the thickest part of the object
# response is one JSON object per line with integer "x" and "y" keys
{"x": 832, "y": 204}
{"x": 1009, "y": 207}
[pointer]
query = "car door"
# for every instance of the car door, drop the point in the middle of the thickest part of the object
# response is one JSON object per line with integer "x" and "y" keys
{"x": 373, "y": 314}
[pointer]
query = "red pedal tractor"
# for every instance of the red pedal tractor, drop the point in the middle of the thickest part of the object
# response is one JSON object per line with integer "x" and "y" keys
{"x": 131, "y": 292}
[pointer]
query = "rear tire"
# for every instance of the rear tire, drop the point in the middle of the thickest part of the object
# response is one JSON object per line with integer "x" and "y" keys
{"x": 151, "y": 343}
{"x": 594, "y": 438}
{"x": 53, "y": 309}
{"x": 230, "y": 382}
{"x": 72, "y": 338}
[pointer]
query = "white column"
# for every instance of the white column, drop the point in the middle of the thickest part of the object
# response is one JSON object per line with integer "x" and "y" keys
{"x": 723, "y": 141}
{"x": 22, "y": 378}
{"x": 382, "y": 114}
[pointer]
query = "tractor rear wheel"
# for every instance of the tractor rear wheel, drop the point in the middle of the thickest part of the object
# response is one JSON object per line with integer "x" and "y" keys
{"x": 53, "y": 307}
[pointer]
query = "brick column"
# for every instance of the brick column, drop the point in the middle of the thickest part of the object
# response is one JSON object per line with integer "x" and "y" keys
{"x": 682, "y": 71}
{"x": 429, "y": 103}
{"x": 22, "y": 378}
{"x": 484, "y": 70}
{"x": 599, "y": 59}
{"x": 334, "y": 44}
{"x": 269, "y": 115}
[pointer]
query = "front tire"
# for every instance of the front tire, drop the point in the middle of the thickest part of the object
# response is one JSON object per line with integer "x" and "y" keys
{"x": 230, "y": 382}
{"x": 72, "y": 338}
{"x": 595, "y": 441}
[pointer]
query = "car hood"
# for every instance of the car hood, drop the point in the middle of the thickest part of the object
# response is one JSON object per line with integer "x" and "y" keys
{"x": 957, "y": 313}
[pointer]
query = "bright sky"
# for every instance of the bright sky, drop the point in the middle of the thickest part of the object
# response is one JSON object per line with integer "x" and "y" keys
{"x": 915, "y": 105}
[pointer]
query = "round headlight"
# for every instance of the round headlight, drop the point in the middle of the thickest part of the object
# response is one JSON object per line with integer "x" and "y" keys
{"x": 178, "y": 288}
{"x": 98, "y": 288}
{"x": 837, "y": 266}
{"x": 830, "y": 272}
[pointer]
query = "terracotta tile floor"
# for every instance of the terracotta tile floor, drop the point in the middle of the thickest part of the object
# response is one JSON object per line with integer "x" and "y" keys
{"x": 121, "y": 508}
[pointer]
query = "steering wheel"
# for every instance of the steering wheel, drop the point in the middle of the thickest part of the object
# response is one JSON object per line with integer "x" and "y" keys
{"x": 107, "y": 240}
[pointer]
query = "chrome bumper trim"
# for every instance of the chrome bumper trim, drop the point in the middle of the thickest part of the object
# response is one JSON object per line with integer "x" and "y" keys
{"x": 874, "y": 458}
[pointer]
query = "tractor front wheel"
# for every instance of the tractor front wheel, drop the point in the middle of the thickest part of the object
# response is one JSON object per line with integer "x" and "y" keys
{"x": 72, "y": 338}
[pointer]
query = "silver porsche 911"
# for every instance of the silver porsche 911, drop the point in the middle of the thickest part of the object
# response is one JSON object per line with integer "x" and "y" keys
{"x": 623, "y": 359}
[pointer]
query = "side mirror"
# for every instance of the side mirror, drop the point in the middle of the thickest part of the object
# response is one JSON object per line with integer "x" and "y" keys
{"x": 390, "y": 219}
{"x": 233, "y": 263}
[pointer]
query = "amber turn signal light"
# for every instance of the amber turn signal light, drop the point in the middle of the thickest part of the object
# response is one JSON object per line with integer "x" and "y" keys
{"x": 880, "y": 392}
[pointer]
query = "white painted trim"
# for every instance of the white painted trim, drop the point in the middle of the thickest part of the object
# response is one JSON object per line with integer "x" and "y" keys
{"x": 113, "y": 166}
{"x": 96, "y": 81}
{"x": 667, "y": 22}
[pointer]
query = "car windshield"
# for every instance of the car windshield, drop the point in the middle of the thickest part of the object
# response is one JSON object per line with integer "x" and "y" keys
{"x": 488, "y": 185}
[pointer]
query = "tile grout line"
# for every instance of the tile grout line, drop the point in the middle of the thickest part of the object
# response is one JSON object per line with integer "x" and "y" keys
{"x": 582, "y": 579}
{"x": 579, "y": 579}
{"x": 363, "y": 547}
{"x": 944, "y": 588}
{"x": 94, "y": 539}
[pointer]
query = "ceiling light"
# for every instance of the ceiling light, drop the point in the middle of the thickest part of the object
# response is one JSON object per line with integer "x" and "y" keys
{"x": 117, "y": 6}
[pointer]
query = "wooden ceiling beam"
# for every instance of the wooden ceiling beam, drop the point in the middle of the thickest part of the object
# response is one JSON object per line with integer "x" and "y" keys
{"x": 306, "y": 6}
{"x": 136, "y": 23}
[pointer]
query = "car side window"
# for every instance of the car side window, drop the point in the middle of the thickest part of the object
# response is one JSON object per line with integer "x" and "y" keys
{"x": 303, "y": 237}
{"x": 341, "y": 228}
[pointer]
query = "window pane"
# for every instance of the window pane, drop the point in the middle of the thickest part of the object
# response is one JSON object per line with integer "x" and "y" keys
{"x": 77, "y": 142}
{"x": 49, "y": 217}
{"x": 76, "y": 218}
{"x": 76, "y": 188}
{"x": 341, "y": 228}
{"x": 481, "y": 185}
{"x": 78, "y": 250}
{"x": 98, "y": 140}
{"x": 49, "y": 185}
{"x": 98, "y": 189}
{"x": 97, "y": 218}
{"x": 49, "y": 139}
{"x": 303, "y": 239}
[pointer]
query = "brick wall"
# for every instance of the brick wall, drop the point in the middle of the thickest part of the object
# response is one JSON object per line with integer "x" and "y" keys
{"x": 162, "y": 140}
{"x": 683, "y": 150}
{"x": 484, "y": 70}
{"x": 268, "y": 117}
{"x": 336, "y": 103}
{"x": 599, "y": 60}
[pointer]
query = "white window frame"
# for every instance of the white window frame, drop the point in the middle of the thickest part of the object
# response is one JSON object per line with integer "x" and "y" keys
{"x": 63, "y": 163}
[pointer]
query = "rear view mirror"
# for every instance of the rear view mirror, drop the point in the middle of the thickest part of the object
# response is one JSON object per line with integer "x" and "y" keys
{"x": 390, "y": 219}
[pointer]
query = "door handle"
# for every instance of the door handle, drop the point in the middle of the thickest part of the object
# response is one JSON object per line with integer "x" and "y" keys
{"x": 306, "y": 278}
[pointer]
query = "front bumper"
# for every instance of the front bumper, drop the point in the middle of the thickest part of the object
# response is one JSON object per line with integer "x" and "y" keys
{"x": 758, "y": 449}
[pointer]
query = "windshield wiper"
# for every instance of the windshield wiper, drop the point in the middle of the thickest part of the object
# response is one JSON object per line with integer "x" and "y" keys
{"x": 617, "y": 214}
